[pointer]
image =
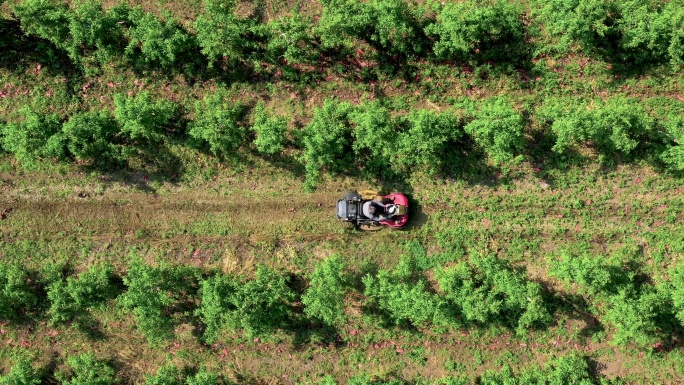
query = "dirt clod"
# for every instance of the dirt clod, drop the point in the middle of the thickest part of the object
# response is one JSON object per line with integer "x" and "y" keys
{"x": 5, "y": 212}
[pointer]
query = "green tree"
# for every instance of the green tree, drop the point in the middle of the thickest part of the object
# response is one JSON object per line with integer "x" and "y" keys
{"x": 402, "y": 296}
{"x": 477, "y": 29}
{"x": 486, "y": 289}
{"x": 87, "y": 33}
{"x": 498, "y": 129}
{"x": 591, "y": 272}
{"x": 92, "y": 136}
{"x": 86, "y": 370}
{"x": 166, "y": 375}
{"x": 142, "y": 118}
{"x": 429, "y": 139}
{"x": 217, "y": 123}
{"x": 585, "y": 21}
{"x": 270, "y": 131}
{"x": 258, "y": 306}
{"x": 291, "y": 38}
{"x": 673, "y": 154}
{"x": 48, "y": 19}
{"x": 677, "y": 292}
{"x": 37, "y": 136}
{"x": 327, "y": 141}
{"x": 96, "y": 35}
{"x": 151, "y": 293}
{"x": 635, "y": 315}
{"x": 155, "y": 41}
{"x": 220, "y": 33}
{"x": 73, "y": 299}
{"x": 673, "y": 12}
{"x": 203, "y": 377}
{"x": 15, "y": 291}
{"x": 615, "y": 126}
{"x": 21, "y": 373}
{"x": 262, "y": 304}
{"x": 375, "y": 137}
{"x": 388, "y": 25}
{"x": 215, "y": 303}
{"x": 324, "y": 299}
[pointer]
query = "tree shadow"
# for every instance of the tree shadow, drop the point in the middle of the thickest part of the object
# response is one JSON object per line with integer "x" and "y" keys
{"x": 20, "y": 50}
{"x": 576, "y": 307}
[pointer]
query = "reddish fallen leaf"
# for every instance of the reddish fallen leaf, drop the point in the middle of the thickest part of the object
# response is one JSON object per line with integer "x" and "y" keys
{"x": 523, "y": 345}
{"x": 400, "y": 350}
{"x": 224, "y": 353}
{"x": 176, "y": 344}
{"x": 354, "y": 332}
{"x": 25, "y": 343}
{"x": 257, "y": 339}
{"x": 376, "y": 346}
{"x": 53, "y": 333}
{"x": 9, "y": 341}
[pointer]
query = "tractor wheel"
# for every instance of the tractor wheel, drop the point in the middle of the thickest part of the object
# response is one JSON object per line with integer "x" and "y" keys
{"x": 348, "y": 225}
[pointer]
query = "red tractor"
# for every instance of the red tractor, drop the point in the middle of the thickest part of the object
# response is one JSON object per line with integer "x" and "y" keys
{"x": 368, "y": 210}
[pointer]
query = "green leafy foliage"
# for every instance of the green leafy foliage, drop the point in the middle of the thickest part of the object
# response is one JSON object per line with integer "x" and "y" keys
{"x": 270, "y": 131}
{"x": 259, "y": 306}
{"x": 47, "y": 19}
{"x": 403, "y": 296}
{"x": 498, "y": 129}
{"x": 73, "y": 299}
{"x": 166, "y": 375}
{"x": 327, "y": 141}
{"x": 15, "y": 290}
{"x": 215, "y": 295}
{"x": 141, "y": 118}
{"x": 203, "y": 377}
{"x": 569, "y": 369}
{"x": 388, "y": 25}
{"x": 220, "y": 33}
{"x": 324, "y": 299}
{"x": 155, "y": 41}
{"x": 96, "y": 35}
{"x": 428, "y": 140}
{"x": 291, "y": 38}
{"x": 673, "y": 155}
{"x": 677, "y": 292}
{"x": 89, "y": 34}
{"x": 591, "y": 272}
{"x": 635, "y": 314}
{"x": 488, "y": 290}
{"x": 634, "y": 32}
{"x": 477, "y": 29}
{"x": 217, "y": 123}
{"x": 673, "y": 12}
{"x": 615, "y": 126}
{"x": 21, "y": 373}
{"x": 91, "y": 136}
{"x": 37, "y": 136}
{"x": 86, "y": 370}
{"x": 585, "y": 21}
{"x": 263, "y": 304}
{"x": 152, "y": 293}
{"x": 375, "y": 138}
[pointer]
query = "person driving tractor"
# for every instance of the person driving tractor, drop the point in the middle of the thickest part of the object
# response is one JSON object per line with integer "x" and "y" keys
{"x": 374, "y": 210}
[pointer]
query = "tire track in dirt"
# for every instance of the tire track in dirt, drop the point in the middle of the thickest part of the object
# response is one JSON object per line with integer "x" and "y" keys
{"x": 182, "y": 217}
